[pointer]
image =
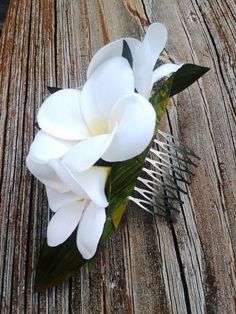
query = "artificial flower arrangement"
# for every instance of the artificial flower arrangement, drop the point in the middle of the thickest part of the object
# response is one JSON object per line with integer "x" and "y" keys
{"x": 92, "y": 145}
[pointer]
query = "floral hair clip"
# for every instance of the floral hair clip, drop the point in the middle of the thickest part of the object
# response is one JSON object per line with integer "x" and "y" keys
{"x": 96, "y": 145}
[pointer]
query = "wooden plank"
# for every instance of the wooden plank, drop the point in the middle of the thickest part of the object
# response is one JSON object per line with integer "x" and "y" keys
{"x": 149, "y": 266}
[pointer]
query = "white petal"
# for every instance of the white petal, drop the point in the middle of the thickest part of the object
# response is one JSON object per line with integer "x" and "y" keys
{"x": 143, "y": 68}
{"x": 164, "y": 70}
{"x": 110, "y": 81}
{"x": 67, "y": 177}
{"x": 58, "y": 200}
{"x": 111, "y": 50}
{"x": 87, "y": 184}
{"x": 64, "y": 222}
{"x": 45, "y": 174}
{"x": 46, "y": 147}
{"x": 93, "y": 183}
{"x": 90, "y": 230}
{"x": 155, "y": 39}
{"x": 147, "y": 55}
{"x": 136, "y": 120}
{"x": 60, "y": 115}
{"x": 84, "y": 155}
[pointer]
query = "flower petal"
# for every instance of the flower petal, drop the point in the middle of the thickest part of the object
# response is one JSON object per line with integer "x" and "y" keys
{"x": 64, "y": 222}
{"x": 45, "y": 174}
{"x": 143, "y": 70}
{"x": 60, "y": 115}
{"x": 164, "y": 70}
{"x": 135, "y": 119}
{"x": 146, "y": 56}
{"x": 90, "y": 230}
{"x": 155, "y": 39}
{"x": 86, "y": 184}
{"x": 111, "y": 50}
{"x": 46, "y": 147}
{"x": 93, "y": 183}
{"x": 110, "y": 81}
{"x": 67, "y": 177}
{"x": 59, "y": 200}
{"x": 84, "y": 155}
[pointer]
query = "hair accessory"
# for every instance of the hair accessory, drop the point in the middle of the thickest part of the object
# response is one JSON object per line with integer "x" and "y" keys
{"x": 96, "y": 145}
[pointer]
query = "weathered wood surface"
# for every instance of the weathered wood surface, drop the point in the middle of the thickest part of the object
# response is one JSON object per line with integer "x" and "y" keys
{"x": 149, "y": 266}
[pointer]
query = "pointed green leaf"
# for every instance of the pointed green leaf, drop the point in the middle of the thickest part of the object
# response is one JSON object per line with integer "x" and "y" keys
{"x": 103, "y": 163}
{"x": 186, "y": 76}
{"x": 53, "y": 90}
{"x": 126, "y": 53}
{"x": 90, "y": 264}
{"x": 55, "y": 264}
{"x": 118, "y": 214}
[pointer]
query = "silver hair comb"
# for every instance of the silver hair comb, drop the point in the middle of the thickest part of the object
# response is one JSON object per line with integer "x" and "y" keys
{"x": 164, "y": 177}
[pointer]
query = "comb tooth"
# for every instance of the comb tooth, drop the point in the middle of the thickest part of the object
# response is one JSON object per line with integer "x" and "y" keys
{"x": 158, "y": 191}
{"x": 150, "y": 195}
{"x": 176, "y": 157}
{"x": 164, "y": 173}
{"x": 169, "y": 166}
{"x": 140, "y": 203}
{"x": 175, "y": 147}
{"x": 166, "y": 157}
{"x": 165, "y": 179}
{"x": 166, "y": 186}
{"x": 144, "y": 204}
{"x": 150, "y": 185}
{"x": 184, "y": 148}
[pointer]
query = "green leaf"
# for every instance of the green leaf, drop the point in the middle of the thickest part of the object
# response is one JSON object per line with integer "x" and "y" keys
{"x": 53, "y": 90}
{"x": 123, "y": 180}
{"x": 55, "y": 264}
{"x": 58, "y": 263}
{"x": 160, "y": 99}
{"x": 185, "y": 76}
{"x": 90, "y": 264}
{"x": 102, "y": 163}
{"x": 118, "y": 213}
{"x": 126, "y": 53}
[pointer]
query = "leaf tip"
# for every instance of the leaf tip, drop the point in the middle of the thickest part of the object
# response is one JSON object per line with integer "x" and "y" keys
{"x": 53, "y": 90}
{"x": 126, "y": 53}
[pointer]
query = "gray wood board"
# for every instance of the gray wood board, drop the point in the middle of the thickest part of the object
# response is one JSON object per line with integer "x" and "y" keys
{"x": 149, "y": 266}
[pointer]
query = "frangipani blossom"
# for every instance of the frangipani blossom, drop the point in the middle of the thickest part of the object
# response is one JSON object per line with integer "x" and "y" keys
{"x": 72, "y": 205}
{"x": 105, "y": 119}
{"x": 45, "y": 161}
{"x": 71, "y": 211}
{"x": 144, "y": 54}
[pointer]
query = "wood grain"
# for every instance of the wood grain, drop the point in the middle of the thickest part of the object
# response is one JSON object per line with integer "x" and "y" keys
{"x": 149, "y": 266}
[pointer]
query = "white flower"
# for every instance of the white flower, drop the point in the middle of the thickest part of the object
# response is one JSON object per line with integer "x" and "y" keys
{"x": 67, "y": 198}
{"x": 144, "y": 54}
{"x": 107, "y": 120}
{"x": 71, "y": 211}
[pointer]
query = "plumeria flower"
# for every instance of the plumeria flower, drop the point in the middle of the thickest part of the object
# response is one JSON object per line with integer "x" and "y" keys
{"x": 67, "y": 198}
{"x": 106, "y": 119}
{"x": 144, "y": 54}
{"x": 74, "y": 211}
